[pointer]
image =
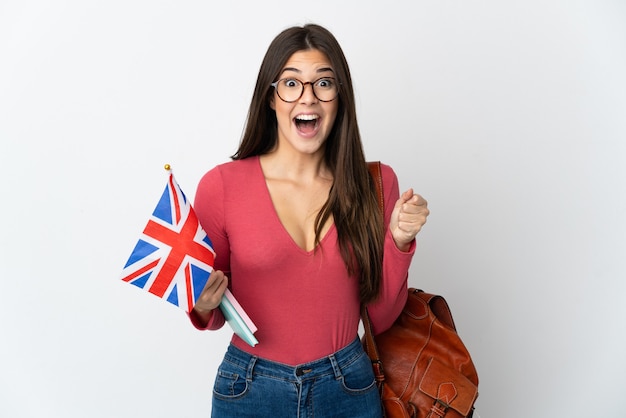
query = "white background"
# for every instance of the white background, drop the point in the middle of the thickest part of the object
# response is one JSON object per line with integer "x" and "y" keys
{"x": 509, "y": 117}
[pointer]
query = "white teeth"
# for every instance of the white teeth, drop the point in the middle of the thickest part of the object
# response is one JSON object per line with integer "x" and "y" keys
{"x": 307, "y": 117}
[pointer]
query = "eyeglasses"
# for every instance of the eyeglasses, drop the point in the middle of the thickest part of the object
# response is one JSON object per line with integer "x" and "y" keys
{"x": 291, "y": 89}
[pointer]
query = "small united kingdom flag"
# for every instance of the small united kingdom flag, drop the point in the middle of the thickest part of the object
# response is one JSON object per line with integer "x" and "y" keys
{"x": 174, "y": 256}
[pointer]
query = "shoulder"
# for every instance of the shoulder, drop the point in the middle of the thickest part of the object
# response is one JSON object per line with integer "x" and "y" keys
{"x": 387, "y": 171}
{"x": 232, "y": 171}
{"x": 390, "y": 179}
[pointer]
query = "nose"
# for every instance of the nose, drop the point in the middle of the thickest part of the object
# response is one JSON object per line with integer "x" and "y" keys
{"x": 308, "y": 95}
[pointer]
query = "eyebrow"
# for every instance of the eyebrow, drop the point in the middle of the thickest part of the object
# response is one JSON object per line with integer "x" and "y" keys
{"x": 320, "y": 70}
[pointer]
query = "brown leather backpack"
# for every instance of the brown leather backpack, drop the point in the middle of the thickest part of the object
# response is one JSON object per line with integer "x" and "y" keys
{"x": 422, "y": 367}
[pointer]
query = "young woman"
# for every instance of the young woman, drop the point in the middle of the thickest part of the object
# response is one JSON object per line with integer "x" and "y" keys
{"x": 300, "y": 241}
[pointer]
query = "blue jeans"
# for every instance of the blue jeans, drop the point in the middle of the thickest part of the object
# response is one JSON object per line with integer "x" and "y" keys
{"x": 340, "y": 385}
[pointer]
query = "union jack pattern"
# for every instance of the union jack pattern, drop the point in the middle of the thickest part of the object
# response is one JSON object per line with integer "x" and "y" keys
{"x": 174, "y": 256}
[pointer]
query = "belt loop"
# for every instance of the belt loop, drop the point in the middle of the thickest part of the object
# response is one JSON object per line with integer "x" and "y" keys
{"x": 250, "y": 368}
{"x": 336, "y": 368}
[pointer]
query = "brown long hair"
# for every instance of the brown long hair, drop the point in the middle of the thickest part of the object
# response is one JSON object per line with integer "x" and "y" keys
{"x": 352, "y": 200}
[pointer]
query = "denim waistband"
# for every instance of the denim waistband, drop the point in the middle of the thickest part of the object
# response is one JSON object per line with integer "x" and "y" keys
{"x": 331, "y": 364}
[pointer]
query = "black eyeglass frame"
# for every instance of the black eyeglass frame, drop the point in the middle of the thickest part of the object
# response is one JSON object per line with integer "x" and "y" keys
{"x": 303, "y": 84}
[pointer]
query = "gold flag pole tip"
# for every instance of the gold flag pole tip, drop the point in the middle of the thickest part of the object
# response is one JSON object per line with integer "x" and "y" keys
{"x": 167, "y": 167}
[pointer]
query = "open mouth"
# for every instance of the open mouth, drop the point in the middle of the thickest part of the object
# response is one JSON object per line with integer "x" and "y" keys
{"x": 307, "y": 123}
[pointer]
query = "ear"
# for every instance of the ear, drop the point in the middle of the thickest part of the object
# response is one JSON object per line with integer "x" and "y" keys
{"x": 272, "y": 103}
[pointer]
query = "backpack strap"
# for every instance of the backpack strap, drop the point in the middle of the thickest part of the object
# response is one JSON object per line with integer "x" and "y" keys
{"x": 369, "y": 344}
{"x": 374, "y": 168}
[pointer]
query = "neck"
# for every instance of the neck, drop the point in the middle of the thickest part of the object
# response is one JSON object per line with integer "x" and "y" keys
{"x": 300, "y": 167}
